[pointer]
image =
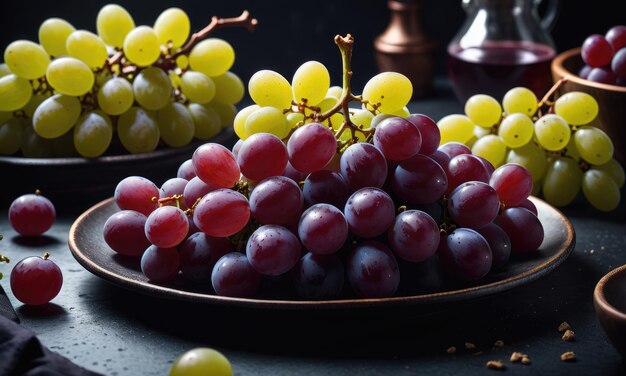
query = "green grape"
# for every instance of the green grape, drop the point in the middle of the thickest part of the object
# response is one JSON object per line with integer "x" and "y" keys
{"x": 562, "y": 181}
{"x": 11, "y": 135}
{"x": 26, "y": 59}
{"x": 229, "y": 88}
{"x": 492, "y": 148}
{"x": 531, "y": 157}
{"x": 182, "y": 62}
{"x": 34, "y": 102}
{"x": 92, "y": 134}
{"x": 336, "y": 119}
{"x": 15, "y": 92}
{"x": 481, "y": 132}
{"x": 116, "y": 96}
{"x": 70, "y": 76}
{"x": 226, "y": 112}
{"x": 4, "y": 70}
{"x": 593, "y": 145}
{"x": 239, "y": 124}
{"x": 175, "y": 125}
{"x": 516, "y": 130}
{"x": 552, "y": 132}
{"x": 293, "y": 119}
{"x": 172, "y": 25}
{"x": 201, "y": 362}
{"x": 87, "y": 47}
{"x": 267, "y": 120}
{"x": 63, "y": 146}
{"x": 206, "y": 121}
{"x": 520, "y": 100}
{"x": 53, "y": 33}
{"x": 56, "y": 115}
{"x": 576, "y": 107}
{"x": 152, "y": 88}
{"x": 113, "y": 24}
{"x": 455, "y": 127}
{"x": 483, "y": 110}
{"x": 310, "y": 83}
{"x": 138, "y": 130}
{"x": 141, "y": 46}
{"x": 361, "y": 118}
{"x": 615, "y": 170}
{"x": 403, "y": 112}
{"x": 600, "y": 190}
{"x": 174, "y": 78}
{"x": 390, "y": 91}
{"x": 269, "y": 88}
{"x": 571, "y": 150}
{"x": 197, "y": 87}
{"x": 212, "y": 56}
{"x": 378, "y": 118}
{"x": 34, "y": 146}
{"x": 334, "y": 91}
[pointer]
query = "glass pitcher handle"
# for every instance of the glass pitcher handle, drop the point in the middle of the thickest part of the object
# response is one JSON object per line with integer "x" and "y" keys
{"x": 552, "y": 12}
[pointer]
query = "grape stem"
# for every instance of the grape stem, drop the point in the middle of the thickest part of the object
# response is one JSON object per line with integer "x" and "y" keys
{"x": 546, "y": 100}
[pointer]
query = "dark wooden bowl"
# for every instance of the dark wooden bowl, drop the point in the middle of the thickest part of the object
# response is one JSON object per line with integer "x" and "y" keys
{"x": 611, "y": 98}
{"x": 84, "y": 181}
{"x": 609, "y": 300}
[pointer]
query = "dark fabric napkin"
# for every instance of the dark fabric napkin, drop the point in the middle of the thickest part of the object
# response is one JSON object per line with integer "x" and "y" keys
{"x": 21, "y": 353}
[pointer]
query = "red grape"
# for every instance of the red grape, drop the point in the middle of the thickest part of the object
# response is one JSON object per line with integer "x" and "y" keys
{"x": 397, "y": 138}
{"x": 262, "y": 155}
{"x": 513, "y": 183}
{"x": 216, "y": 165}
{"x": 222, "y": 213}
{"x": 325, "y": 186}
{"x": 429, "y": 132}
{"x": 372, "y": 270}
{"x": 233, "y": 275}
{"x": 465, "y": 254}
{"x": 160, "y": 265}
{"x": 616, "y": 36}
{"x": 311, "y": 147}
{"x": 414, "y": 235}
{"x": 363, "y": 165}
{"x": 36, "y": 280}
{"x": 419, "y": 180}
{"x": 596, "y": 51}
{"x": 369, "y": 212}
{"x": 323, "y": 229}
{"x": 273, "y": 250}
{"x": 136, "y": 193}
{"x": 318, "y": 276}
{"x": 167, "y": 227}
{"x": 31, "y": 214}
{"x": 125, "y": 233}
{"x": 277, "y": 201}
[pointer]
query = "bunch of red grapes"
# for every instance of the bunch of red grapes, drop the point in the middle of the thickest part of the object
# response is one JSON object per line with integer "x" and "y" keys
{"x": 329, "y": 222}
{"x": 605, "y": 57}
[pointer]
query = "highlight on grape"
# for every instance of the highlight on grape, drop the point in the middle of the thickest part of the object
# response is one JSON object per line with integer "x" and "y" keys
{"x": 75, "y": 92}
{"x": 331, "y": 193}
{"x": 553, "y": 139}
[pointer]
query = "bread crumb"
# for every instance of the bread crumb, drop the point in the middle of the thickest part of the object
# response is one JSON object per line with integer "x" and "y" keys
{"x": 495, "y": 364}
{"x": 451, "y": 350}
{"x": 568, "y": 356}
{"x": 564, "y": 326}
{"x": 498, "y": 343}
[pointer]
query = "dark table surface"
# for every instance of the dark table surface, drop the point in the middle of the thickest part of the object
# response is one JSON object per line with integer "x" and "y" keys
{"x": 118, "y": 332}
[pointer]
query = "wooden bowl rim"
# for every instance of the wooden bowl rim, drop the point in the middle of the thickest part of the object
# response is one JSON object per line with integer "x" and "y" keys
{"x": 559, "y": 69}
{"x": 600, "y": 298}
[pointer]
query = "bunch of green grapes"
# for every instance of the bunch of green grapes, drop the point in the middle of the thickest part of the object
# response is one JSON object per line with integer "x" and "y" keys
{"x": 72, "y": 92}
{"x": 562, "y": 150}
{"x": 281, "y": 106}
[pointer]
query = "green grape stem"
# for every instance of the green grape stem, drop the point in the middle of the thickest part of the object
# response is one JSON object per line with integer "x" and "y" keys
{"x": 547, "y": 99}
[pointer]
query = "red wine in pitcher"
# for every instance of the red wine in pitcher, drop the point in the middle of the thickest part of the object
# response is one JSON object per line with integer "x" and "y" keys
{"x": 496, "y": 67}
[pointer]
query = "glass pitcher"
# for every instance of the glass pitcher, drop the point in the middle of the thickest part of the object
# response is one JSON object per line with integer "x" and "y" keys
{"x": 502, "y": 44}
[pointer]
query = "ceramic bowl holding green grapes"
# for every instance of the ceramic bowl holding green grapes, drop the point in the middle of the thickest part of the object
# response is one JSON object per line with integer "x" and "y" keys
{"x": 79, "y": 110}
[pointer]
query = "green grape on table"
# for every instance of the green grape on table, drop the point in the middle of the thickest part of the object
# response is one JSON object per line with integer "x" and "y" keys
{"x": 34, "y": 102}
{"x": 532, "y": 157}
{"x": 116, "y": 96}
{"x": 206, "y": 121}
{"x": 26, "y": 59}
{"x": 113, "y": 23}
{"x": 138, "y": 130}
{"x": 310, "y": 83}
{"x": 152, "y": 88}
{"x": 229, "y": 88}
{"x": 92, "y": 134}
{"x": 201, "y": 362}
{"x": 269, "y": 88}
{"x": 175, "y": 124}
{"x": 388, "y": 91}
{"x": 87, "y": 47}
{"x": 15, "y": 92}
{"x": 458, "y": 128}
{"x": 552, "y": 132}
{"x": 70, "y": 76}
{"x": 483, "y": 110}
{"x": 562, "y": 181}
{"x": 492, "y": 148}
{"x": 197, "y": 87}
{"x": 226, "y": 112}
{"x": 172, "y": 26}
{"x": 212, "y": 57}
{"x": 600, "y": 190}
{"x": 56, "y": 115}
{"x": 267, "y": 120}
{"x": 615, "y": 170}
{"x": 516, "y": 130}
{"x": 520, "y": 100}
{"x": 141, "y": 46}
{"x": 593, "y": 145}
{"x": 577, "y": 108}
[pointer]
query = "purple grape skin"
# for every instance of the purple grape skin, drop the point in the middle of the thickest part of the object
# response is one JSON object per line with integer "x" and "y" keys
{"x": 199, "y": 253}
{"x": 186, "y": 170}
{"x": 473, "y": 204}
{"x": 419, "y": 180}
{"x": 618, "y": 63}
{"x": 222, "y": 213}
{"x": 233, "y": 276}
{"x": 488, "y": 166}
{"x": 523, "y": 228}
{"x": 262, "y": 155}
{"x": 431, "y": 136}
{"x": 323, "y": 229}
{"x": 31, "y": 214}
{"x": 173, "y": 186}
{"x": 311, "y": 147}
{"x": 512, "y": 182}
{"x": 363, "y": 165}
{"x": 442, "y": 159}
{"x": 294, "y": 174}
{"x": 397, "y": 138}
{"x": 318, "y": 277}
{"x": 465, "y": 254}
{"x": 616, "y": 36}
{"x": 236, "y": 147}
{"x": 602, "y": 75}
{"x": 196, "y": 189}
{"x": 124, "y": 232}
{"x": 276, "y": 201}
{"x": 160, "y": 265}
{"x": 414, "y": 236}
{"x": 452, "y": 149}
{"x": 528, "y": 205}
{"x": 464, "y": 168}
{"x": 167, "y": 226}
{"x": 369, "y": 212}
{"x": 273, "y": 250}
{"x": 584, "y": 71}
{"x": 325, "y": 186}
{"x": 136, "y": 193}
{"x": 372, "y": 270}
{"x": 596, "y": 51}
{"x": 499, "y": 243}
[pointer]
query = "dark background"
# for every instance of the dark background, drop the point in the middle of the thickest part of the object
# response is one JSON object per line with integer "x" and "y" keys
{"x": 292, "y": 32}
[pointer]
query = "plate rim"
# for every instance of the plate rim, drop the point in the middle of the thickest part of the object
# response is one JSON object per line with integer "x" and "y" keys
{"x": 462, "y": 294}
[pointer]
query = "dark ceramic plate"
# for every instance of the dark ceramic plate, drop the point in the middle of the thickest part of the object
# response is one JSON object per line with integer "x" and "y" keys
{"x": 88, "y": 247}
{"x": 91, "y": 180}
